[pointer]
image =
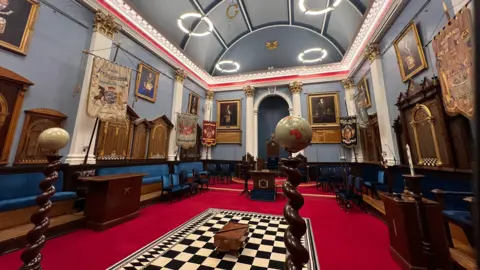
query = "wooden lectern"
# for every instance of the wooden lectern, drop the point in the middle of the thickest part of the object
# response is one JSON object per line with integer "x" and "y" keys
{"x": 263, "y": 185}
{"x": 404, "y": 231}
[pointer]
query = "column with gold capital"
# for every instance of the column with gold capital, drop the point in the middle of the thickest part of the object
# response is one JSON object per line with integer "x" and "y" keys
{"x": 249, "y": 124}
{"x": 349, "y": 87}
{"x": 180, "y": 76}
{"x": 207, "y": 116}
{"x": 104, "y": 30}
{"x": 296, "y": 88}
{"x": 387, "y": 138}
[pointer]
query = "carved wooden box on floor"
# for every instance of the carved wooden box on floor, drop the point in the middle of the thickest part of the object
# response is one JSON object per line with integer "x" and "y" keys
{"x": 12, "y": 92}
{"x": 36, "y": 121}
{"x": 159, "y": 138}
{"x": 112, "y": 199}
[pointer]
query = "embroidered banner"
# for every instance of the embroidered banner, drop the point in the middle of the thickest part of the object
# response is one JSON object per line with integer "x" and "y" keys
{"x": 209, "y": 135}
{"x": 348, "y": 130}
{"x": 108, "y": 92}
{"x": 186, "y": 130}
{"x": 453, "y": 50}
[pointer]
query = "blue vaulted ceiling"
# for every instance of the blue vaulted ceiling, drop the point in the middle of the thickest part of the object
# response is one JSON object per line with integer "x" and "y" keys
{"x": 242, "y": 39}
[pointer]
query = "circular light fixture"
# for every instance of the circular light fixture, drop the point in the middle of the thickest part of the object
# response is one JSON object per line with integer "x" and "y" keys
{"x": 195, "y": 15}
{"x": 228, "y": 62}
{"x": 301, "y": 5}
{"x": 301, "y": 56}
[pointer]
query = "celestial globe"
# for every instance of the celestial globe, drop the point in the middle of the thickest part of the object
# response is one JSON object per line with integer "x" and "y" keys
{"x": 53, "y": 138}
{"x": 293, "y": 133}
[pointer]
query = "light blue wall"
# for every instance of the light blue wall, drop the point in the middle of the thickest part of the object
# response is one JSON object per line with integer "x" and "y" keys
{"x": 271, "y": 110}
{"x": 145, "y": 108}
{"x": 323, "y": 152}
{"x": 429, "y": 22}
{"x": 53, "y": 63}
{"x": 230, "y": 151}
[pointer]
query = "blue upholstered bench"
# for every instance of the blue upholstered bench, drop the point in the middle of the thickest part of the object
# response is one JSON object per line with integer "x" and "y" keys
{"x": 18, "y": 193}
{"x": 189, "y": 166}
{"x": 152, "y": 182}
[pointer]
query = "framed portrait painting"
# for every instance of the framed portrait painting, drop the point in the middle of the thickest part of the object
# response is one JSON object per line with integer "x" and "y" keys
{"x": 409, "y": 50}
{"x": 193, "y": 100}
{"x": 323, "y": 110}
{"x": 17, "y": 19}
{"x": 228, "y": 114}
{"x": 147, "y": 82}
{"x": 362, "y": 99}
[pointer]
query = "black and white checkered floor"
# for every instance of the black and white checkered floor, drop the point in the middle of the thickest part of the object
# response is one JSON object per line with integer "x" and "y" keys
{"x": 190, "y": 246}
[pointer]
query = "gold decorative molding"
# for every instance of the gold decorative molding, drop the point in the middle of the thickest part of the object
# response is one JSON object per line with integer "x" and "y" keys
{"x": 372, "y": 52}
{"x": 209, "y": 95}
{"x": 271, "y": 45}
{"x": 180, "y": 75}
{"x": 296, "y": 87}
{"x": 348, "y": 83}
{"x": 249, "y": 91}
{"x": 105, "y": 24}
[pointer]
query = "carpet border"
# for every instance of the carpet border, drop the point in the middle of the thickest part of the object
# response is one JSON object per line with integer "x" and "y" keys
{"x": 309, "y": 237}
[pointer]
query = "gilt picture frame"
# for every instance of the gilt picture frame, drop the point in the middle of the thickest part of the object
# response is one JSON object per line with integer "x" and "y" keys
{"x": 409, "y": 51}
{"x": 324, "y": 109}
{"x": 17, "y": 21}
{"x": 147, "y": 82}
{"x": 193, "y": 102}
{"x": 229, "y": 114}
{"x": 362, "y": 98}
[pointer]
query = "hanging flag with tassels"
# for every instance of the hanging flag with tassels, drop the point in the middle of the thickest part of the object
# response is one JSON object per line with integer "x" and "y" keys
{"x": 348, "y": 130}
{"x": 209, "y": 134}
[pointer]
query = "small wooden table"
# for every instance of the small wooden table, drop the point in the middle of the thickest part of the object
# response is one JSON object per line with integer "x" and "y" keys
{"x": 112, "y": 199}
{"x": 231, "y": 238}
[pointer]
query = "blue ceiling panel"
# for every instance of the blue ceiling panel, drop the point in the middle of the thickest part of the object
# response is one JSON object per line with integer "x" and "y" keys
{"x": 317, "y": 21}
{"x": 163, "y": 15}
{"x": 228, "y": 29}
{"x": 264, "y": 12}
{"x": 343, "y": 23}
{"x": 204, "y": 50}
{"x": 251, "y": 54}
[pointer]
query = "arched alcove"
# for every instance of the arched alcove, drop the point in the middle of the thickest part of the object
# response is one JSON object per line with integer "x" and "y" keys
{"x": 271, "y": 110}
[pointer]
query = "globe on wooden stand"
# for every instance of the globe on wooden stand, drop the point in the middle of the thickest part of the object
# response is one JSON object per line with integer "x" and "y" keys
{"x": 51, "y": 139}
{"x": 294, "y": 134}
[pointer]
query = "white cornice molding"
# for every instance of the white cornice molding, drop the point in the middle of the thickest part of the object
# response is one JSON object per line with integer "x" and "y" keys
{"x": 200, "y": 76}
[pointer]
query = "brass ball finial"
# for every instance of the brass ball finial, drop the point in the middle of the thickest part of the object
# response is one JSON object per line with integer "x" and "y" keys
{"x": 53, "y": 138}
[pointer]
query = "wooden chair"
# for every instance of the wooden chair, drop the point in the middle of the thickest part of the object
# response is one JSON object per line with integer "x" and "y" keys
{"x": 199, "y": 181}
{"x": 379, "y": 184}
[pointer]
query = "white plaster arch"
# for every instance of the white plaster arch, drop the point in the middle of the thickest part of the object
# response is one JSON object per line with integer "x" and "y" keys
{"x": 256, "y": 105}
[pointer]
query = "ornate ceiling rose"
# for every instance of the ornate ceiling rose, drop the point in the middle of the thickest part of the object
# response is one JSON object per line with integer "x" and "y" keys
{"x": 301, "y": 56}
{"x": 235, "y": 68}
{"x": 303, "y": 8}
{"x": 195, "y": 15}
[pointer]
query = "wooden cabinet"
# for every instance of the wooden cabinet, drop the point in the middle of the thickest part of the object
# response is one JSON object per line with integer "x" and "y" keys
{"x": 112, "y": 199}
{"x": 404, "y": 232}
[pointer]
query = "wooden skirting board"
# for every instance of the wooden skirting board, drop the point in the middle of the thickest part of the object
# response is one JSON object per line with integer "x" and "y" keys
{"x": 14, "y": 238}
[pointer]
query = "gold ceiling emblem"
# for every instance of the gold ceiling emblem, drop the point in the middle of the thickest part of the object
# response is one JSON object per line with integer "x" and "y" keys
{"x": 232, "y": 11}
{"x": 271, "y": 45}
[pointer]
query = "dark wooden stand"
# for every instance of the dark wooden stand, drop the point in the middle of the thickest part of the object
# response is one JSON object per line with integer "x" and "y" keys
{"x": 406, "y": 246}
{"x": 112, "y": 199}
{"x": 31, "y": 256}
{"x": 413, "y": 182}
{"x": 297, "y": 254}
{"x": 245, "y": 168}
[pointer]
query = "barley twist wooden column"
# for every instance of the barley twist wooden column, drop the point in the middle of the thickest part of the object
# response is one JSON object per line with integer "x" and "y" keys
{"x": 52, "y": 139}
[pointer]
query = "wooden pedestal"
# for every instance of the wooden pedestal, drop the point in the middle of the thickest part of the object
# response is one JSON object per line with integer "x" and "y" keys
{"x": 404, "y": 232}
{"x": 112, "y": 199}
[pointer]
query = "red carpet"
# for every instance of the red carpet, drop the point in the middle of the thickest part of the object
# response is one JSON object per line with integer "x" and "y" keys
{"x": 306, "y": 190}
{"x": 343, "y": 241}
